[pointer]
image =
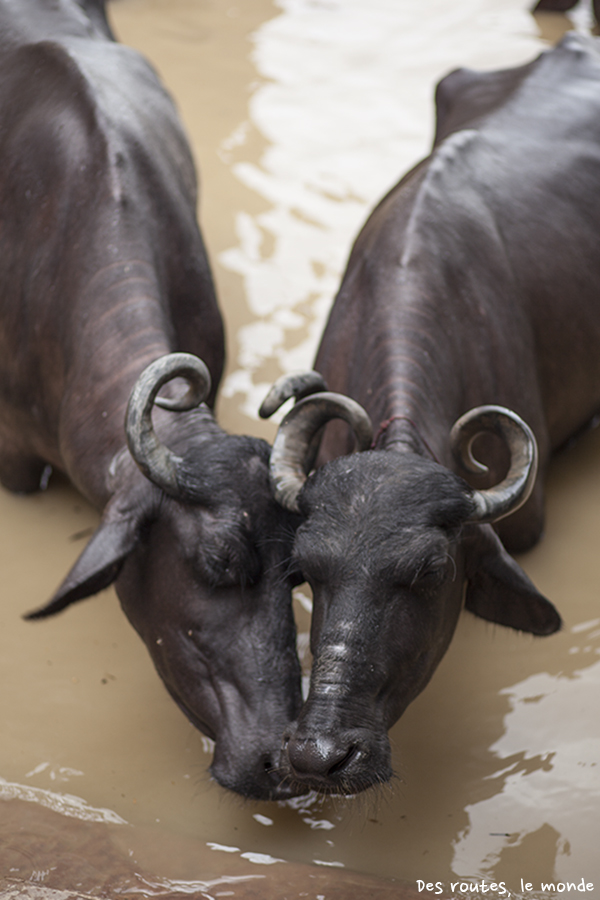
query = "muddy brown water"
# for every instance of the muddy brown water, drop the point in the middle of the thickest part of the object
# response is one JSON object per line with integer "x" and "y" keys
{"x": 301, "y": 114}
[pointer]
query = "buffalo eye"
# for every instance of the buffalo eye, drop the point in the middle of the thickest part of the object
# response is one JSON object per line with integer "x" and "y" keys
{"x": 229, "y": 564}
{"x": 431, "y": 574}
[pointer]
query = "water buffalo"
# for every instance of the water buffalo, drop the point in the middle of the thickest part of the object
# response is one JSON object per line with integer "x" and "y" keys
{"x": 103, "y": 272}
{"x": 470, "y": 305}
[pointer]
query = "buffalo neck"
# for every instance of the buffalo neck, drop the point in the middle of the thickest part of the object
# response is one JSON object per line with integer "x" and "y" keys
{"x": 425, "y": 321}
{"x": 120, "y": 326}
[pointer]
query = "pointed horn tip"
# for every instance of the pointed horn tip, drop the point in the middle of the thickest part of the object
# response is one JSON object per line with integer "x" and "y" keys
{"x": 298, "y": 385}
{"x": 35, "y": 614}
{"x": 269, "y": 406}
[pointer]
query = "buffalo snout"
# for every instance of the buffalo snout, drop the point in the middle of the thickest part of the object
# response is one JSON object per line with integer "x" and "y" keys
{"x": 344, "y": 761}
{"x": 257, "y": 772}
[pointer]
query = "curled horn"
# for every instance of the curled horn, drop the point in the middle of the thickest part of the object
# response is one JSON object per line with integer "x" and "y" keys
{"x": 291, "y": 447}
{"x": 157, "y": 462}
{"x": 298, "y": 386}
{"x": 506, "y": 497}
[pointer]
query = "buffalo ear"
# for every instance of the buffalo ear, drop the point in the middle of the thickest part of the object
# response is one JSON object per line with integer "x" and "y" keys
{"x": 499, "y": 590}
{"x": 99, "y": 564}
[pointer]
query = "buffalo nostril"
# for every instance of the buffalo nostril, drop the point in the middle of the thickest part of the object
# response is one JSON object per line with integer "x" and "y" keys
{"x": 342, "y": 763}
{"x": 320, "y": 758}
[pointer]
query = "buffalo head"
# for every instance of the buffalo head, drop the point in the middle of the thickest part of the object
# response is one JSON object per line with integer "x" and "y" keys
{"x": 199, "y": 553}
{"x": 392, "y": 544}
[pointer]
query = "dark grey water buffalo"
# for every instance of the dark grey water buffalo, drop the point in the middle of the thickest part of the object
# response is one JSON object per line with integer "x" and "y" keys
{"x": 102, "y": 272}
{"x": 471, "y": 304}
